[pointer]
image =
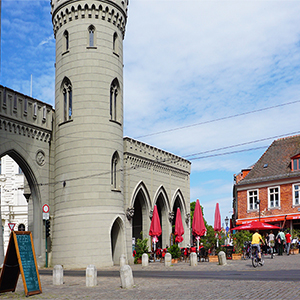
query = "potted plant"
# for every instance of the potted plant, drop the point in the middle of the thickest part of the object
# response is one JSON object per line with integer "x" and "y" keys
{"x": 239, "y": 238}
{"x": 175, "y": 251}
{"x": 140, "y": 248}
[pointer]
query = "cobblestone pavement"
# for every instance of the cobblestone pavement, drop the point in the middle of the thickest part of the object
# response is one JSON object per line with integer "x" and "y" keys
{"x": 178, "y": 288}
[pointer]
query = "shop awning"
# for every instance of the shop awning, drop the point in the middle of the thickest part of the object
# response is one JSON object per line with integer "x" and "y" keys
{"x": 269, "y": 219}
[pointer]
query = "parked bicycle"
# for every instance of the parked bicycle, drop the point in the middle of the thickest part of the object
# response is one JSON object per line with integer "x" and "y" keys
{"x": 255, "y": 257}
{"x": 247, "y": 250}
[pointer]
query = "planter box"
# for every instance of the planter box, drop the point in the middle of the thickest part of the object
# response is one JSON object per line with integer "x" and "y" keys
{"x": 294, "y": 251}
{"x": 174, "y": 260}
{"x": 236, "y": 256}
{"x": 213, "y": 258}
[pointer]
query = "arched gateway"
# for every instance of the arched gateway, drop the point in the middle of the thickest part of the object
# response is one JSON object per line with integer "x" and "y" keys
{"x": 100, "y": 186}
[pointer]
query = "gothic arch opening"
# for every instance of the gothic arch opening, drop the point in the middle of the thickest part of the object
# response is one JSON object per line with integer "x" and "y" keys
{"x": 117, "y": 241}
{"x": 15, "y": 210}
{"x": 139, "y": 219}
{"x": 162, "y": 208}
{"x": 178, "y": 203}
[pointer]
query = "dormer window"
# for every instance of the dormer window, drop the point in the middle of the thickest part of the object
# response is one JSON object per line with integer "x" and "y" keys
{"x": 295, "y": 162}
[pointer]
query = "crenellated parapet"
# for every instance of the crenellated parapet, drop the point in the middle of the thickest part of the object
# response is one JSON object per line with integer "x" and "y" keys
{"x": 141, "y": 155}
{"x": 112, "y": 11}
{"x": 25, "y": 116}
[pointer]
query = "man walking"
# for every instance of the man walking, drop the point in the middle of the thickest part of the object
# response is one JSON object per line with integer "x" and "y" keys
{"x": 288, "y": 242}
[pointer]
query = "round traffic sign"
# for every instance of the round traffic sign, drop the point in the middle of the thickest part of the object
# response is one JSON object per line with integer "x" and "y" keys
{"x": 45, "y": 208}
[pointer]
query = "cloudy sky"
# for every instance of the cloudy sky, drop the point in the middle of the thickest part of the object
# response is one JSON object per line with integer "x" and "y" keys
{"x": 213, "y": 81}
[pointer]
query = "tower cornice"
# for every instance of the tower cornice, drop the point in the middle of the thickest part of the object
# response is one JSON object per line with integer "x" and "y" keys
{"x": 113, "y": 11}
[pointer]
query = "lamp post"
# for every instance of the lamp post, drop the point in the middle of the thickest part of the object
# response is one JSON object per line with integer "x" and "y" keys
{"x": 258, "y": 203}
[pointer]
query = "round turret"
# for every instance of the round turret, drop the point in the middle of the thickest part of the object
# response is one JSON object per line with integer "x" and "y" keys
{"x": 89, "y": 202}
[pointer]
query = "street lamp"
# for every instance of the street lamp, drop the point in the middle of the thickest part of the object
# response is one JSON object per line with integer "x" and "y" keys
{"x": 258, "y": 203}
{"x": 226, "y": 221}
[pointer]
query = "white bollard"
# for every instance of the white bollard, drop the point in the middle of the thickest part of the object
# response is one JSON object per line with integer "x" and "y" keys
{"x": 168, "y": 259}
{"x": 58, "y": 275}
{"x": 126, "y": 277}
{"x": 91, "y": 275}
{"x": 122, "y": 260}
{"x": 222, "y": 258}
{"x": 145, "y": 260}
{"x": 193, "y": 259}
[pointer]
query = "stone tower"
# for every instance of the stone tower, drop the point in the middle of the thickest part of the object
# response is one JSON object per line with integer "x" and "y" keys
{"x": 88, "y": 211}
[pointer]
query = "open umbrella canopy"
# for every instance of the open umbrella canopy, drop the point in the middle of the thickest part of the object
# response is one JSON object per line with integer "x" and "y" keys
{"x": 198, "y": 226}
{"x": 256, "y": 225}
{"x": 155, "y": 228}
{"x": 217, "y": 224}
{"x": 179, "y": 230}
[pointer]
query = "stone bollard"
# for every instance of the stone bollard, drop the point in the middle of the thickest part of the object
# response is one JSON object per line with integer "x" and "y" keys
{"x": 126, "y": 277}
{"x": 58, "y": 275}
{"x": 168, "y": 259}
{"x": 122, "y": 260}
{"x": 193, "y": 259}
{"x": 222, "y": 258}
{"x": 145, "y": 260}
{"x": 91, "y": 275}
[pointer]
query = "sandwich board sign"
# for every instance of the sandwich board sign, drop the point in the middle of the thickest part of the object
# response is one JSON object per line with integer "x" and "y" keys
{"x": 20, "y": 258}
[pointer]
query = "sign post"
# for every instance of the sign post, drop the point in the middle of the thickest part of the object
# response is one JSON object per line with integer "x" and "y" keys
{"x": 46, "y": 218}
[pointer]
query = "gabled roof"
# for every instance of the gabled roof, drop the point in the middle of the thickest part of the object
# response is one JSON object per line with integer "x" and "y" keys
{"x": 275, "y": 163}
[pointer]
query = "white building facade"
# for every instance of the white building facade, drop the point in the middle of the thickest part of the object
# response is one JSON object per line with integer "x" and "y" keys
{"x": 14, "y": 206}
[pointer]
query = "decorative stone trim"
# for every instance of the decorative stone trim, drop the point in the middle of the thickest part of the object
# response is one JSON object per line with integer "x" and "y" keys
{"x": 25, "y": 130}
{"x": 151, "y": 214}
{"x": 75, "y": 11}
{"x": 171, "y": 216}
{"x": 187, "y": 219}
{"x": 40, "y": 158}
{"x": 130, "y": 213}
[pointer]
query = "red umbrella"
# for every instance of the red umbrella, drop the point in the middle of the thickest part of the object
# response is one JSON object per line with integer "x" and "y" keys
{"x": 198, "y": 226}
{"x": 256, "y": 225}
{"x": 179, "y": 230}
{"x": 155, "y": 228}
{"x": 217, "y": 224}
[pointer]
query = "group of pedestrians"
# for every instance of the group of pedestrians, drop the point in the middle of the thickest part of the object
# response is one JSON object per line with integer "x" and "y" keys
{"x": 279, "y": 243}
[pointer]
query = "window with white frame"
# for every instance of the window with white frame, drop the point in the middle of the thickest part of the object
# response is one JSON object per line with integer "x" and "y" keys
{"x": 274, "y": 197}
{"x": 252, "y": 199}
{"x": 296, "y": 193}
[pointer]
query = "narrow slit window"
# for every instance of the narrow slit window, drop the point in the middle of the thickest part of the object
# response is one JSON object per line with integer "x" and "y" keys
{"x": 91, "y": 36}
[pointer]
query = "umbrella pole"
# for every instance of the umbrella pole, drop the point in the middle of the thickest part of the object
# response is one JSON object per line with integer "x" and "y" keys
{"x": 197, "y": 246}
{"x": 154, "y": 248}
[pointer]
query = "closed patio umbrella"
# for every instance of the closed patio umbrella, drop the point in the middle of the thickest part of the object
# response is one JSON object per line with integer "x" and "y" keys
{"x": 155, "y": 228}
{"x": 198, "y": 226}
{"x": 217, "y": 223}
{"x": 179, "y": 230}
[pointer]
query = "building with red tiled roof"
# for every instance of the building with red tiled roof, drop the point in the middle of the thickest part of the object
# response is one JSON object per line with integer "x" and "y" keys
{"x": 270, "y": 190}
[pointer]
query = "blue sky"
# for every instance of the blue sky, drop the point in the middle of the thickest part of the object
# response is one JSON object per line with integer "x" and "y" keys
{"x": 185, "y": 62}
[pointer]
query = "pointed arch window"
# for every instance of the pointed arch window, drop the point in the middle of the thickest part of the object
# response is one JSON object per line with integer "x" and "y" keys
{"x": 67, "y": 99}
{"x": 115, "y": 171}
{"x": 115, "y": 105}
{"x": 66, "y": 41}
{"x": 115, "y": 43}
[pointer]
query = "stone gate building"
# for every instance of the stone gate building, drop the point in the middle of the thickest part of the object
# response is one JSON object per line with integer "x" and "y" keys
{"x": 101, "y": 187}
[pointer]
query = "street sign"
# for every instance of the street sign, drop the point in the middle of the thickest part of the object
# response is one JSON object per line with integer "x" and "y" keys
{"x": 46, "y": 208}
{"x": 11, "y": 226}
{"x": 45, "y": 216}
